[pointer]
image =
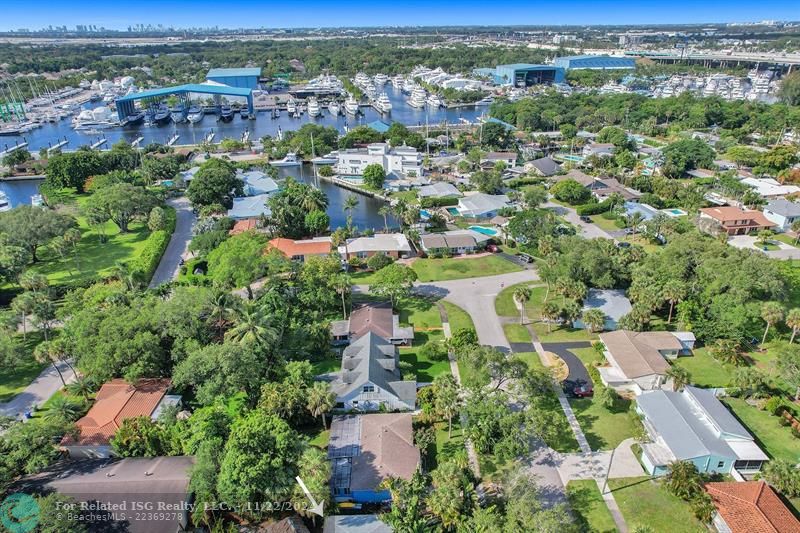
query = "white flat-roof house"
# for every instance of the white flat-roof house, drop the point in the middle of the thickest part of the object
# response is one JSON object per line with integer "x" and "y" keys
{"x": 770, "y": 188}
{"x": 482, "y": 205}
{"x": 402, "y": 160}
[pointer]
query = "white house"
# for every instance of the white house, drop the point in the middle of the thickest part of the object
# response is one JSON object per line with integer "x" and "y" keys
{"x": 480, "y": 205}
{"x": 769, "y": 188}
{"x": 509, "y": 158}
{"x": 402, "y": 160}
{"x": 783, "y": 213}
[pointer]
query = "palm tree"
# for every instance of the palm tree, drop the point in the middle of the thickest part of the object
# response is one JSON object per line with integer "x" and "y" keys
{"x": 683, "y": 480}
{"x": 82, "y": 386}
{"x": 221, "y": 312}
{"x": 726, "y": 351}
{"x": 448, "y": 400}
{"x": 46, "y": 352}
{"x": 252, "y": 326}
{"x": 320, "y": 401}
{"x": 782, "y": 475}
{"x": 548, "y": 273}
{"x": 62, "y": 408}
{"x": 680, "y": 377}
{"x": 384, "y": 212}
{"x": 772, "y": 313}
{"x": 594, "y": 320}
{"x": 521, "y": 295}
{"x": 793, "y": 321}
{"x": 339, "y": 238}
{"x": 634, "y": 220}
{"x": 550, "y": 312}
{"x": 33, "y": 281}
{"x": 23, "y": 306}
{"x": 350, "y": 203}
{"x": 124, "y": 273}
{"x": 343, "y": 285}
{"x": 314, "y": 199}
{"x": 673, "y": 292}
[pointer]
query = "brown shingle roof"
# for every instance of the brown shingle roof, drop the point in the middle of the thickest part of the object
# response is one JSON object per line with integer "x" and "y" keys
{"x": 634, "y": 357}
{"x": 387, "y": 449}
{"x": 374, "y": 317}
{"x": 241, "y": 226}
{"x": 116, "y": 401}
{"x": 752, "y": 507}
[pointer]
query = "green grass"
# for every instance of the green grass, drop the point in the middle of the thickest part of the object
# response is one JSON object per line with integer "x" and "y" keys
{"x": 327, "y": 365}
{"x": 504, "y": 303}
{"x": 516, "y": 333}
{"x": 14, "y": 378}
{"x": 317, "y": 436}
{"x": 562, "y": 333}
{"x": 447, "y": 447}
{"x": 646, "y": 503}
{"x": 604, "y": 428}
{"x": 587, "y": 503}
{"x": 587, "y": 355}
{"x": 457, "y": 317}
{"x": 777, "y": 441}
{"x": 532, "y": 358}
{"x": 604, "y": 223}
{"x": 421, "y": 313}
{"x": 705, "y": 371}
{"x": 408, "y": 196}
{"x": 786, "y": 239}
{"x": 423, "y": 368}
{"x": 459, "y": 268}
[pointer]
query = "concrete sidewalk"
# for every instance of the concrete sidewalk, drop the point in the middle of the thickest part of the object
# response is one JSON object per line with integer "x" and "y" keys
{"x": 170, "y": 263}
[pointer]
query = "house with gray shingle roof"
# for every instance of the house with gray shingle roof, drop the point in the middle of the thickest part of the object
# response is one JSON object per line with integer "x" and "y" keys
{"x": 783, "y": 213}
{"x": 481, "y": 205}
{"x": 545, "y": 166}
{"x": 439, "y": 189}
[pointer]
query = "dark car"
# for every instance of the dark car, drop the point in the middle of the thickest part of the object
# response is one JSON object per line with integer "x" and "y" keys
{"x": 577, "y": 389}
{"x": 623, "y": 244}
{"x": 492, "y": 248}
{"x": 525, "y": 258}
{"x": 586, "y": 219}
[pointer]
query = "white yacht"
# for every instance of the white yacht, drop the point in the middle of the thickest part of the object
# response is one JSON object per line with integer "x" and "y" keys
{"x": 290, "y": 160}
{"x": 37, "y": 200}
{"x": 408, "y": 86}
{"x": 434, "y": 101}
{"x": 397, "y": 81}
{"x": 380, "y": 79}
{"x": 195, "y": 116}
{"x": 327, "y": 159}
{"x": 313, "y": 107}
{"x": 334, "y": 108}
{"x": 418, "y": 97}
{"x": 351, "y": 105}
{"x": 361, "y": 79}
{"x": 291, "y": 107}
{"x": 383, "y": 104}
{"x": 370, "y": 91}
{"x": 5, "y": 203}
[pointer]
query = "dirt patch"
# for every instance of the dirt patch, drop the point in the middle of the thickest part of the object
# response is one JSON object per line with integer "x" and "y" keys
{"x": 560, "y": 370}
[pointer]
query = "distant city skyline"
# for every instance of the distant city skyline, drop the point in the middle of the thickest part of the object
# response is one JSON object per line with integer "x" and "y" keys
{"x": 316, "y": 13}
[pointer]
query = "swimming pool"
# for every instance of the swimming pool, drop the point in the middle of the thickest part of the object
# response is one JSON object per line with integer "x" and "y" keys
{"x": 674, "y": 212}
{"x": 486, "y": 231}
{"x": 453, "y": 211}
{"x": 568, "y": 157}
{"x": 424, "y": 213}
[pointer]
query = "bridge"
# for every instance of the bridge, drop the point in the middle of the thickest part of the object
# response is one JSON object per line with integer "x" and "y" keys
{"x": 126, "y": 104}
{"x": 790, "y": 61}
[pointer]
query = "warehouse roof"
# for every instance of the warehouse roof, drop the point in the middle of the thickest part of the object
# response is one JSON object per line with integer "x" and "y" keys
{"x": 222, "y": 72}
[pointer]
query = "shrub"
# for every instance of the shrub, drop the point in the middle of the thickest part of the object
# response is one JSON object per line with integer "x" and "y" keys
{"x": 378, "y": 261}
{"x": 593, "y": 209}
{"x": 775, "y": 405}
{"x": 148, "y": 259}
{"x": 570, "y": 191}
{"x": 434, "y": 351}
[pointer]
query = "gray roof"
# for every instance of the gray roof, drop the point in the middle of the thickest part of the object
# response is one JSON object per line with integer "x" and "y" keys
{"x": 361, "y": 523}
{"x": 783, "y": 207}
{"x": 453, "y": 239}
{"x": 612, "y": 302}
{"x": 546, "y": 166}
{"x": 483, "y": 203}
{"x": 373, "y": 359}
{"x": 250, "y": 207}
{"x": 438, "y": 189}
{"x": 689, "y": 422}
{"x": 256, "y": 182}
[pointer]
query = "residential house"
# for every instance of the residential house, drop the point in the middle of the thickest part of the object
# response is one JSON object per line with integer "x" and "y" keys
{"x": 302, "y": 249}
{"x": 575, "y": 174}
{"x": 605, "y": 187}
{"x": 637, "y": 361}
{"x": 250, "y": 207}
{"x": 783, "y": 213}
{"x": 612, "y": 302}
{"x": 355, "y": 523}
{"x": 395, "y": 245}
{"x": 545, "y": 166}
{"x": 370, "y": 377}
{"x": 368, "y": 449}
{"x": 693, "y": 425}
{"x": 290, "y": 524}
{"x": 454, "y": 242}
{"x": 646, "y": 211}
{"x": 737, "y": 221}
{"x": 598, "y": 149}
{"x": 480, "y": 205}
{"x": 403, "y": 160}
{"x": 116, "y": 401}
{"x": 257, "y": 183}
{"x": 770, "y": 188}
{"x": 439, "y": 189}
{"x": 509, "y": 158}
{"x": 149, "y": 483}
{"x": 244, "y": 225}
{"x": 372, "y": 317}
{"x": 188, "y": 175}
{"x": 701, "y": 173}
{"x": 749, "y": 507}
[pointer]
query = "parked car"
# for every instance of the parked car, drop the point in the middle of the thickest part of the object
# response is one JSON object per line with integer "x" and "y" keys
{"x": 577, "y": 389}
{"x": 623, "y": 244}
{"x": 525, "y": 258}
{"x": 492, "y": 248}
{"x": 586, "y": 219}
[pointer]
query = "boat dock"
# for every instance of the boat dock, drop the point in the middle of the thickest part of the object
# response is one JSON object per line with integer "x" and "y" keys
{"x": 14, "y": 148}
{"x": 210, "y": 137}
{"x": 344, "y": 184}
{"x": 99, "y": 143}
{"x": 57, "y": 146}
{"x": 173, "y": 140}
{"x": 137, "y": 141}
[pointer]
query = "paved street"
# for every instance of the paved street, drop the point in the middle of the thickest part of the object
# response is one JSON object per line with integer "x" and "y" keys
{"x": 588, "y": 231}
{"x": 170, "y": 262}
{"x": 750, "y": 242}
{"x": 39, "y": 391}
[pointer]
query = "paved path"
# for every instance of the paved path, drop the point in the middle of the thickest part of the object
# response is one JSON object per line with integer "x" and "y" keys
{"x": 171, "y": 260}
{"x": 750, "y": 242}
{"x": 577, "y": 370}
{"x": 588, "y": 231}
{"x": 39, "y": 391}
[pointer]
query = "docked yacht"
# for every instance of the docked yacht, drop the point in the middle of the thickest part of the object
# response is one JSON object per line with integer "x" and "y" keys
{"x": 291, "y": 107}
{"x": 397, "y": 81}
{"x": 334, "y": 108}
{"x": 97, "y": 118}
{"x": 418, "y": 97}
{"x": 135, "y": 119}
{"x": 178, "y": 114}
{"x": 485, "y": 101}
{"x": 383, "y": 104}
{"x": 351, "y": 105}
{"x": 380, "y": 80}
{"x": 290, "y": 160}
{"x": 434, "y": 101}
{"x": 195, "y": 114}
{"x": 361, "y": 79}
{"x": 5, "y": 203}
{"x": 313, "y": 107}
{"x": 408, "y": 86}
{"x": 226, "y": 113}
{"x": 328, "y": 159}
{"x": 161, "y": 115}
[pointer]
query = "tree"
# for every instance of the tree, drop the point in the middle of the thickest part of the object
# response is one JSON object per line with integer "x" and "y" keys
{"x": 594, "y": 320}
{"x": 317, "y": 222}
{"x": 374, "y": 176}
{"x": 315, "y": 471}
{"x": 683, "y": 480}
{"x": 53, "y": 519}
{"x": 535, "y": 196}
{"x": 680, "y": 377}
{"x": 570, "y": 191}
{"x": 550, "y": 313}
{"x": 394, "y": 282}
{"x": 73, "y": 169}
{"x": 447, "y": 401}
{"x": 140, "y": 437}
{"x": 751, "y": 381}
{"x": 784, "y": 476}
{"x": 408, "y": 503}
{"x": 772, "y": 313}
{"x": 521, "y": 296}
{"x": 726, "y": 351}
{"x": 384, "y": 211}
{"x": 122, "y": 203}
{"x": 63, "y": 408}
{"x": 238, "y": 260}
{"x": 789, "y": 367}
{"x": 672, "y": 292}
{"x": 291, "y": 204}
{"x": 214, "y": 183}
{"x": 22, "y": 305}
{"x": 155, "y": 169}
{"x": 790, "y": 89}
{"x": 49, "y": 352}
{"x": 31, "y": 227}
{"x": 320, "y": 400}
{"x": 260, "y": 460}
{"x": 350, "y": 203}
{"x": 684, "y": 155}
{"x": 252, "y": 325}
{"x": 13, "y": 259}
{"x": 326, "y": 171}
{"x": 157, "y": 219}
{"x": 452, "y": 496}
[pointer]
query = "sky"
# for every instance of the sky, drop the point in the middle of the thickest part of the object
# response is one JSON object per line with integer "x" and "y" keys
{"x": 118, "y": 14}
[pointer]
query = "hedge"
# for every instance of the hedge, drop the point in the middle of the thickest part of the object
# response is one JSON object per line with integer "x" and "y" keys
{"x": 593, "y": 209}
{"x": 438, "y": 202}
{"x": 516, "y": 183}
{"x": 154, "y": 247}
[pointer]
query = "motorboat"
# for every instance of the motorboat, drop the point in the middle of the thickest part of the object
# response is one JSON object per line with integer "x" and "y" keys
{"x": 195, "y": 114}
{"x": 313, "y": 107}
{"x": 351, "y": 105}
{"x": 99, "y": 117}
{"x": 485, "y": 101}
{"x": 290, "y": 160}
{"x": 397, "y": 81}
{"x": 408, "y": 86}
{"x": 370, "y": 90}
{"x": 5, "y": 203}
{"x": 161, "y": 116}
{"x": 418, "y": 97}
{"x": 334, "y": 108}
{"x": 327, "y": 159}
{"x": 434, "y": 101}
{"x": 225, "y": 113}
{"x": 291, "y": 107}
{"x": 96, "y": 98}
{"x": 244, "y": 113}
{"x": 135, "y": 119}
{"x": 383, "y": 104}
{"x": 361, "y": 79}
{"x": 380, "y": 80}
{"x": 178, "y": 114}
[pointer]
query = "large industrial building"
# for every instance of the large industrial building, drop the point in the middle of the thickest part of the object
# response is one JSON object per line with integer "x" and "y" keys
{"x": 245, "y": 78}
{"x": 594, "y": 63}
{"x": 522, "y": 74}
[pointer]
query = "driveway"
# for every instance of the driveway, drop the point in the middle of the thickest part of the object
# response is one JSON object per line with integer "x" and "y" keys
{"x": 577, "y": 370}
{"x": 171, "y": 260}
{"x": 749, "y": 242}
{"x": 39, "y": 391}
{"x": 587, "y": 231}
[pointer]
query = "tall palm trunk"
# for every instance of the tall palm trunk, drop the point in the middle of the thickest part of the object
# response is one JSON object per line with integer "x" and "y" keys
{"x": 59, "y": 373}
{"x": 671, "y": 307}
{"x": 344, "y": 308}
{"x": 764, "y": 338}
{"x": 794, "y": 332}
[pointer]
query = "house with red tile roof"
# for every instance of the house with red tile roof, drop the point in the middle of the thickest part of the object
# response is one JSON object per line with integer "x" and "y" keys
{"x": 116, "y": 401}
{"x": 737, "y": 221}
{"x": 241, "y": 226}
{"x": 750, "y": 507}
{"x": 303, "y": 249}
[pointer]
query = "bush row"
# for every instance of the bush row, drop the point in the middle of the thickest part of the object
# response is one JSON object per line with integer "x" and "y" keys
{"x": 154, "y": 247}
{"x": 438, "y": 202}
{"x": 593, "y": 209}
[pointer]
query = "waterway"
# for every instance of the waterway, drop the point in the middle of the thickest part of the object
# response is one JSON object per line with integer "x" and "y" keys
{"x": 52, "y": 133}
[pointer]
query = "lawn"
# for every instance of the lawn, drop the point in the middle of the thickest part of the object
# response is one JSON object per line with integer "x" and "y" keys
{"x": 705, "y": 371}
{"x": 604, "y": 428}
{"x": 516, "y": 333}
{"x": 447, "y": 447}
{"x": 457, "y": 317}
{"x": 604, "y": 223}
{"x": 423, "y": 315}
{"x": 317, "y": 436}
{"x": 587, "y": 503}
{"x": 327, "y": 365}
{"x": 459, "y": 268}
{"x": 532, "y": 358}
{"x": 14, "y": 378}
{"x": 786, "y": 239}
{"x": 504, "y": 303}
{"x": 646, "y": 503}
{"x": 562, "y": 333}
{"x": 776, "y": 440}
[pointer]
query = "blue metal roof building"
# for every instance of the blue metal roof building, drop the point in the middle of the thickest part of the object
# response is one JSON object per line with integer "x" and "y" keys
{"x": 523, "y": 74}
{"x": 125, "y": 105}
{"x": 379, "y": 126}
{"x": 235, "y": 77}
{"x": 595, "y": 62}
